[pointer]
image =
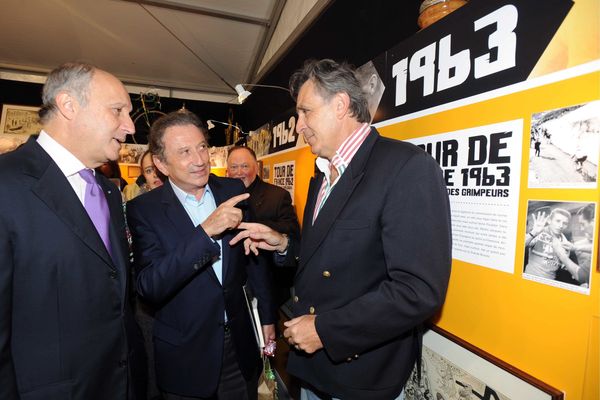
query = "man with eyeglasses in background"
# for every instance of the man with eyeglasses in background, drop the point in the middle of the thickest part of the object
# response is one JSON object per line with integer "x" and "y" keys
{"x": 270, "y": 205}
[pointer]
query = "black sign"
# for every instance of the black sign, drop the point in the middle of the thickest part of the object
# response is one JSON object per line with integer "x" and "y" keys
{"x": 283, "y": 132}
{"x": 485, "y": 45}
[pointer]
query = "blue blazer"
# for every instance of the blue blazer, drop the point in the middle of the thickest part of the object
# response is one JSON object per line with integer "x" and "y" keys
{"x": 66, "y": 324}
{"x": 173, "y": 261}
{"x": 373, "y": 267}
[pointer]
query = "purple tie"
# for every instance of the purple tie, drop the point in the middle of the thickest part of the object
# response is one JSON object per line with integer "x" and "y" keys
{"x": 96, "y": 206}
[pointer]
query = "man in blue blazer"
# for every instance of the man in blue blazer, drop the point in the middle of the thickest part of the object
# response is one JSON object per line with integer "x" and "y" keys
{"x": 374, "y": 260}
{"x": 203, "y": 337}
{"x": 66, "y": 325}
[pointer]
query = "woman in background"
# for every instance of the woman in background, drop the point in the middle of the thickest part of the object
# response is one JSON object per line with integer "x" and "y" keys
{"x": 148, "y": 180}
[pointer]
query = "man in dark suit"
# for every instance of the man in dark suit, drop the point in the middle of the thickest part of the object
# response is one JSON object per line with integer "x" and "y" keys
{"x": 269, "y": 205}
{"x": 66, "y": 326}
{"x": 374, "y": 260}
{"x": 204, "y": 345}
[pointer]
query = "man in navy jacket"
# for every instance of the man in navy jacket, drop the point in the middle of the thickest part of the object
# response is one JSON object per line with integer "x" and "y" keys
{"x": 374, "y": 259}
{"x": 66, "y": 324}
{"x": 204, "y": 345}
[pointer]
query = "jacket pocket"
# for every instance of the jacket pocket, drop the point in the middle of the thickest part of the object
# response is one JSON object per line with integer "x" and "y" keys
{"x": 167, "y": 333}
{"x": 55, "y": 391}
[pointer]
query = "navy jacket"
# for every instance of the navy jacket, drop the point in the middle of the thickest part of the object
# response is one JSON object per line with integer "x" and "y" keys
{"x": 374, "y": 266}
{"x": 173, "y": 261}
{"x": 66, "y": 325}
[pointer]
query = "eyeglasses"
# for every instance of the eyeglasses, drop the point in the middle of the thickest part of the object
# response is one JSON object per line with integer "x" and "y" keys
{"x": 241, "y": 167}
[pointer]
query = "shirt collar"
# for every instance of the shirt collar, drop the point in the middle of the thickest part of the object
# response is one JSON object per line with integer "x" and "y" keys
{"x": 344, "y": 154}
{"x": 185, "y": 197}
{"x": 66, "y": 161}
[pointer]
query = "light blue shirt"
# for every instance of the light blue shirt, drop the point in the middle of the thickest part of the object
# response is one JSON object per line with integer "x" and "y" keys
{"x": 198, "y": 211}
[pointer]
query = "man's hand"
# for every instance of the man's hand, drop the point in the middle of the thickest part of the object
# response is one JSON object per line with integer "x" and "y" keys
{"x": 302, "y": 334}
{"x": 561, "y": 249}
{"x": 268, "y": 332}
{"x": 258, "y": 236}
{"x": 539, "y": 222}
{"x": 226, "y": 216}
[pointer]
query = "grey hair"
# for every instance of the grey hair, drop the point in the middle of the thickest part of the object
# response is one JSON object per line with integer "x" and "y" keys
{"x": 73, "y": 78}
{"x": 331, "y": 78}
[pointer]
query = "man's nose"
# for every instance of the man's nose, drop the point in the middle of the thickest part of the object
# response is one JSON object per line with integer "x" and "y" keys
{"x": 300, "y": 124}
{"x": 128, "y": 125}
{"x": 197, "y": 157}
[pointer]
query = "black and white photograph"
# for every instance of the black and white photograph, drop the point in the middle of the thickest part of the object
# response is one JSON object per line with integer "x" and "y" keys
{"x": 453, "y": 369}
{"x": 131, "y": 153}
{"x": 266, "y": 171}
{"x": 260, "y": 140}
{"x": 447, "y": 381}
{"x": 564, "y": 145}
{"x": 218, "y": 156}
{"x": 19, "y": 120}
{"x": 559, "y": 244}
{"x": 372, "y": 85}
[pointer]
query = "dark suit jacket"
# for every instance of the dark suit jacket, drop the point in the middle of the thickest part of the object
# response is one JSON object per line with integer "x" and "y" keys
{"x": 66, "y": 327}
{"x": 373, "y": 267}
{"x": 272, "y": 206}
{"x": 173, "y": 261}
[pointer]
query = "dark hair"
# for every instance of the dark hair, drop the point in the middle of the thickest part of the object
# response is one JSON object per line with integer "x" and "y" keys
{"x": 330, "y": 78}
{"x": 157, "y": 171}
{"x": 147, "y": 152}
{"x": 175, "y": 118}
{"x": 248, "y": 149}
{"x": 588, "y": 212}
{"x": 72, "y": 77}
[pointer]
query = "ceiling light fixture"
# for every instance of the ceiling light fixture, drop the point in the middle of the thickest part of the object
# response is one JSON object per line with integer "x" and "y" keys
{"x": 211, "y": 124}
{"x": 243, "y": 93}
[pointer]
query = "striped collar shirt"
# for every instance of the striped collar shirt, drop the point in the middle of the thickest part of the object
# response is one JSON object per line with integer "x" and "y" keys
{"x": 340, "y": 161}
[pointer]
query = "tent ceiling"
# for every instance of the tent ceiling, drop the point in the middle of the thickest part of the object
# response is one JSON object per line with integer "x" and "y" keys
{"x": 196, "y": 49}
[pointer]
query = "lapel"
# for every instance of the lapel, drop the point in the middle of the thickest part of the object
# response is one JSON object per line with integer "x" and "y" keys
{"x": 313, "y": 192}
{"x": 53, "y": 188}
{"x": 313, "y": 235}
{"x": 219, "y": 195}
{"x": 179, "y": 218}
{"x": 118, "y": 241}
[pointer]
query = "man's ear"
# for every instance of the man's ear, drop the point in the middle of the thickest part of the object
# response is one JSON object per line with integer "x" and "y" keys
{"x": 162, "y": 167}
{"x": 342, "y": 104}
{"x": 372, "y": 84}
{"x": 67, "y": 105}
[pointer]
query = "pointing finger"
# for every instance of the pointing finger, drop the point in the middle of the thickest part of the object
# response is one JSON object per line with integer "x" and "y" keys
{"x": 240, "y": 236}
{"x": 236, "y": 199}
